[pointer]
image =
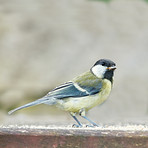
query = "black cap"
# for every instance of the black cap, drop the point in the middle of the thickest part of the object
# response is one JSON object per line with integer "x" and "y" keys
{"x": 105, "y": 62}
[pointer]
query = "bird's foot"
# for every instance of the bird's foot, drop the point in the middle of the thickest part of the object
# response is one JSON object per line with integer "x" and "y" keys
{"x": 77, "y": 126}
{"x": 94, "y": 125}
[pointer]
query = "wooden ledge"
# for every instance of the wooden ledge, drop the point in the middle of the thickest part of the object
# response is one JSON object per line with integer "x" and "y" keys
{"x": 41, "y": 136}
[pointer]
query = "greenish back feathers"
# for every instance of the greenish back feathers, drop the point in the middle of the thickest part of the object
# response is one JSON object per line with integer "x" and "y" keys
{"x": 90, "y": 83}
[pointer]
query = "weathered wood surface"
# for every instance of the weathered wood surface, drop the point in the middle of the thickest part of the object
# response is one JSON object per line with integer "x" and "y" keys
{"x": 39, "y": 136}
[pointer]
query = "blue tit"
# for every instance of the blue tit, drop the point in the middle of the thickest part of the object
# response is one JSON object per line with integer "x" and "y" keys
{"x": 82, "y": 93}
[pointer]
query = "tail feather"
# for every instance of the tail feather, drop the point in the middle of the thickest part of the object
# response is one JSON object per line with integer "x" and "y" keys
{"x": 39, "y": 101}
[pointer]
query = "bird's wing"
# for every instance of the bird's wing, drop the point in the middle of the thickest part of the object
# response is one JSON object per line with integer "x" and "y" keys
{"x": 72, "y": 89}
{"x": 66, "y": 90}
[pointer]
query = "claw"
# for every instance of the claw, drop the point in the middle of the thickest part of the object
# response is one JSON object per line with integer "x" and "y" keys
{"x": 76, "y": 125}
{"x": 92, "y": 125}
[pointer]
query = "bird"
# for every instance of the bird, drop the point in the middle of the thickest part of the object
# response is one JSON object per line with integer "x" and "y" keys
{"x": 82, "y": 93}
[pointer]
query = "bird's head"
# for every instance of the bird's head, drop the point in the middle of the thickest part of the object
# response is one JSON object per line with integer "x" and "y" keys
{"x": 104, "y": 68}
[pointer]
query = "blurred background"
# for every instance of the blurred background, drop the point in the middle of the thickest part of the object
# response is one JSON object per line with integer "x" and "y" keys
{"x": 44, "y": 43}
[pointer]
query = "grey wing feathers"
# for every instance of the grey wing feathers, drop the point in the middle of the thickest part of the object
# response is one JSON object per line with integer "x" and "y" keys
{"x": 74, "y": 90}
{"x": 67, "y": 90}
{"x": 92, "y": 90}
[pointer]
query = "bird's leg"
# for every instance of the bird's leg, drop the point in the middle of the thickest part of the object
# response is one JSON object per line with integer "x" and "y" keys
{"x": 93, "y": 123}
{"x": 82, "y": 114}
{"x": 79, "y": 123}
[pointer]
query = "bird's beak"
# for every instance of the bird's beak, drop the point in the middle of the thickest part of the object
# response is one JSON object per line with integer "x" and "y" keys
{"x": 111, "y": 68}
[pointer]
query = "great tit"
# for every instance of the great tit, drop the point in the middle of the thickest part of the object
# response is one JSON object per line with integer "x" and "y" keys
{"x": 82, "y": 93}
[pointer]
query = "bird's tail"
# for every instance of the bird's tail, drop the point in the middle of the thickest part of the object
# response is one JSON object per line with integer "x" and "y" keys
{"x": 39, "y": 101}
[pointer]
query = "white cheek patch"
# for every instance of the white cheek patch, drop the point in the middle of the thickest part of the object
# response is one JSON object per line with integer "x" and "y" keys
{"x": 99, "y": 70}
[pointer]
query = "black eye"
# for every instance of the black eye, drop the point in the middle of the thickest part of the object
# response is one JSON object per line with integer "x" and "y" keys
{"x": 103, "y": 64}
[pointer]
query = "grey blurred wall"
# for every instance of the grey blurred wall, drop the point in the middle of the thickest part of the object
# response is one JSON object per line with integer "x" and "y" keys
{"x": 44, "y": 43}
